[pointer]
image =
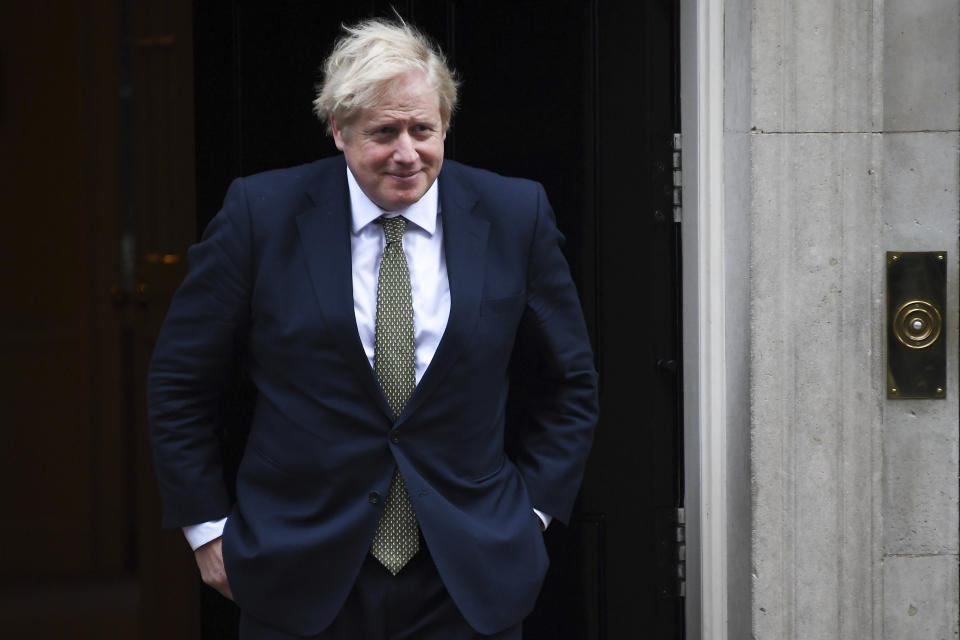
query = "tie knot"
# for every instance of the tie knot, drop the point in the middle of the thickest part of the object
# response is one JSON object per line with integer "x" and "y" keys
{"x": 393, "y": 228}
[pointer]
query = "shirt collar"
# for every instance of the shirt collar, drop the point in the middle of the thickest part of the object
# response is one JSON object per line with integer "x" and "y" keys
{"x": 363, "y": 210}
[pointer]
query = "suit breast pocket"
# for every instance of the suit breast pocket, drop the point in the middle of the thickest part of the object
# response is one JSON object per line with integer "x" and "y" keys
{"x": 495, "y": 306}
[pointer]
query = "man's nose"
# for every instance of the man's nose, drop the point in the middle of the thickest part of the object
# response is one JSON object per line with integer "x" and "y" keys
{"x": 404, "y": 150}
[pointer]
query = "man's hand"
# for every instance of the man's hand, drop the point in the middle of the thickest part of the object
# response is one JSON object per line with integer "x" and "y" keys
{"x": 210, "y": 561}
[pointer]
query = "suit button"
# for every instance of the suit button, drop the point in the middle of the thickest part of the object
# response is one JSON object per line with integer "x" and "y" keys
{"x": 374, "y": 497}
{"x": 395, "y": 438}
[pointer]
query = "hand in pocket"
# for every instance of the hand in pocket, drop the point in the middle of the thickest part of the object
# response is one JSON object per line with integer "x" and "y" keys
{"x": 210, "y": 562}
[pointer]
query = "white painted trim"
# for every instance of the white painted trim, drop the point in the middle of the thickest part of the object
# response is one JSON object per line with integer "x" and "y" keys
{"x": 712, "y": 369}
{"x": 704, "y": 313}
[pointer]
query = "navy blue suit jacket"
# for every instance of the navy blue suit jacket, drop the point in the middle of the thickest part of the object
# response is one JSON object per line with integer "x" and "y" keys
{"x": 273, "y": 275}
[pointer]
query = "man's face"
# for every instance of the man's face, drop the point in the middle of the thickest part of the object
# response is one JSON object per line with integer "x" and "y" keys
{"x": 395, "y": 150}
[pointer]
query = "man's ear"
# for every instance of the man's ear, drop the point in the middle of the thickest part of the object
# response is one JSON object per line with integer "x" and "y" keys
{"x": 337, "y": 133}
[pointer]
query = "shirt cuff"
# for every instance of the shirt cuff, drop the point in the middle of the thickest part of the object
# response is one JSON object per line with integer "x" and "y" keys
{"x": 545, "y": 520}
{"x": 200, "y": 534}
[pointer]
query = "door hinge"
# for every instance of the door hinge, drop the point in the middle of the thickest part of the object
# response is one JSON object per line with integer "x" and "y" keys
{"x": 681, "y": 540}
{"x": 677, "y": 177}
{"x": 672, "y": 552}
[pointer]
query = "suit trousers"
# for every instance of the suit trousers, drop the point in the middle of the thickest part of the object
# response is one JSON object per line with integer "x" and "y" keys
{"x": 412, "y": 605}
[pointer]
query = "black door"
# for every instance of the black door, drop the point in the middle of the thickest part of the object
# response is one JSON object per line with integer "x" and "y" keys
{"x": 582, "y": 96}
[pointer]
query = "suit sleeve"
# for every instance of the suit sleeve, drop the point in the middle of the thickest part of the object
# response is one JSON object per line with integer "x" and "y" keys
{"x": 555, "y": 376}
{"x": 193, "y": 361}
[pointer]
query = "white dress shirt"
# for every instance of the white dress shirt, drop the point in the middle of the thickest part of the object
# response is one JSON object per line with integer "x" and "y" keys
{"x": 426, "y": 261}
{"x": 429, "y": 286}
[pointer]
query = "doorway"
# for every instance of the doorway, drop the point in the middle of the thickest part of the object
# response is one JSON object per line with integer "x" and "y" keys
{"x": 583, "y": 97}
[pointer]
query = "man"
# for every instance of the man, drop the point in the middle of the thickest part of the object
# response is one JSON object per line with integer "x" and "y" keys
{"x": 380, "y": 298}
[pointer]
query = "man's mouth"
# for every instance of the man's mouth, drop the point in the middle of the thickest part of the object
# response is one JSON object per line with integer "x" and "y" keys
{"x": 403, "y": 175}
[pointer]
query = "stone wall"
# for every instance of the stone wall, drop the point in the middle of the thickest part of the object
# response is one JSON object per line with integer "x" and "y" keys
{"x": 842, "y": 143}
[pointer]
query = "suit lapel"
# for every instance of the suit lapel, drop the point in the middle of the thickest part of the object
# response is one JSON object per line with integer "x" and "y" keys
{"x": 325, "y": 239}
{"x": 464, "y": 243}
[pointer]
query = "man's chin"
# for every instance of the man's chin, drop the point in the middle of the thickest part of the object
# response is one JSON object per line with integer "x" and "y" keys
{"x": 401, "y": 199}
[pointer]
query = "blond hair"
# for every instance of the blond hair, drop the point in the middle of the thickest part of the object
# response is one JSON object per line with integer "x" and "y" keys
{"x": 368, "y": 58}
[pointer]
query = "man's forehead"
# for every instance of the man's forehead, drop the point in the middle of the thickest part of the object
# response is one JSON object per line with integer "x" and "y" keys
{"x": 401, "y": 112}
{"x": 403, "y": 108}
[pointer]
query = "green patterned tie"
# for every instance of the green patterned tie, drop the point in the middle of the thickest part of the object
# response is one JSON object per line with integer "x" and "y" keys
{"x": 397, "y": 538}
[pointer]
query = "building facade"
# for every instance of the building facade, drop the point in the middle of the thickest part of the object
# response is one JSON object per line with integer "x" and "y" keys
{"x": 818, "y": 136}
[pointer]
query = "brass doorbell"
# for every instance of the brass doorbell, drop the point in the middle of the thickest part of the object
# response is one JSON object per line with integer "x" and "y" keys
{"x": 916, "y": 308}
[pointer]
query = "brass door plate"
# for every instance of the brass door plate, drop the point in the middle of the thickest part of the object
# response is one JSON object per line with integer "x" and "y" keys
{"x": 916, "y": 314}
